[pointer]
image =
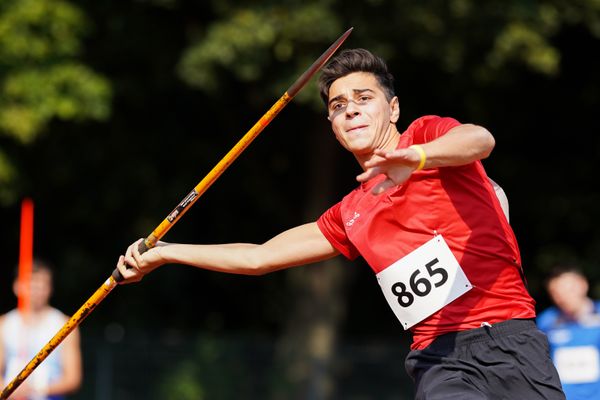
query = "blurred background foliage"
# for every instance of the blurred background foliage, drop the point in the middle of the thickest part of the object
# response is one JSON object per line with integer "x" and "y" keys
{"x": 41, "y": 78}
{"x": 110, "y": 112}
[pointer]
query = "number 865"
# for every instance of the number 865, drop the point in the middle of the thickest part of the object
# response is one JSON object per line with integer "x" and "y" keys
{"x": 419, "y": 286}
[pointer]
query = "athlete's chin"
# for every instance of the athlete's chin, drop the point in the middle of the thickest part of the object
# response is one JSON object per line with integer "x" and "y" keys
{"x": 358, "y": 147}
{"x": 361, "y": 150}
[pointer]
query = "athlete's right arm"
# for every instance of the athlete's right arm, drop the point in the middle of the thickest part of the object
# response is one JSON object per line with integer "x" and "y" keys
{"x": 303, "y": 244}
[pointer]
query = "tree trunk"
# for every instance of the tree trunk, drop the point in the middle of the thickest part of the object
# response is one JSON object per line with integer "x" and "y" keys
{"x": 306, "y": 348}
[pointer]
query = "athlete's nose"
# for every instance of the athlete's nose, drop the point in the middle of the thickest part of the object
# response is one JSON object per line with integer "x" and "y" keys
{"x": 352, "y": 109}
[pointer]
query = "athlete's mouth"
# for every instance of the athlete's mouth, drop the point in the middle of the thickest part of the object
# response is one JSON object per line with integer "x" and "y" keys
{"x": 356, "y": 128}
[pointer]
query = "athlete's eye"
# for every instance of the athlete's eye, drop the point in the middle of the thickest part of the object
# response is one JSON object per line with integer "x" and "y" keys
{"x": 336, "y": 105}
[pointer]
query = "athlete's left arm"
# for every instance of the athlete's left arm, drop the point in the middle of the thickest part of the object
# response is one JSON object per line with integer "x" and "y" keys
{"x": 461, "y": 145}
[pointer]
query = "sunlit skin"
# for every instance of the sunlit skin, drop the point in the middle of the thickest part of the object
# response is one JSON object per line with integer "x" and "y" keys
{"x": 364, "y": 121}
{"x": 361, "y": 117}
{"x": 569, "y": 292}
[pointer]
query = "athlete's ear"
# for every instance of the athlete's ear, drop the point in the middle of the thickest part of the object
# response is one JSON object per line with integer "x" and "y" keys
{"x": 394, "y": 110}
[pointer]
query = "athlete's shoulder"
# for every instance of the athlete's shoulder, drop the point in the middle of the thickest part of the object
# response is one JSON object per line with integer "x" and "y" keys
{"x": 430, "y": 127}
{"x": 421, "y": 122}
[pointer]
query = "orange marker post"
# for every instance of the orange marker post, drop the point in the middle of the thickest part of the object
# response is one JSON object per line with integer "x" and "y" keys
{"x": 25, "y": 255}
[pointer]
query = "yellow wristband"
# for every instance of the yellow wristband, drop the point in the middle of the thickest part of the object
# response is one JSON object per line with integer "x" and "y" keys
{"x": 422, "y": 154}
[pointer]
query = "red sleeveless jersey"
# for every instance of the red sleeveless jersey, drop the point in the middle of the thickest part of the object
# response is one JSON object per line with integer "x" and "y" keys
{"x": 460, "y": 204}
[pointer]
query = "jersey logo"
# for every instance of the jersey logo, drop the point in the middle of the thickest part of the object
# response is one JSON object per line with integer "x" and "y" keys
{"x": 353, "y": 220}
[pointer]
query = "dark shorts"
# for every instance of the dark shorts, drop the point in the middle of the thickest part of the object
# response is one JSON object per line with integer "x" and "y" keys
{"x": 509, "y": 360}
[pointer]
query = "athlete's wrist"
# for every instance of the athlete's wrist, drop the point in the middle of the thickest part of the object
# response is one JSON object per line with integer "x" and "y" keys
{"x": 422, "y": 156}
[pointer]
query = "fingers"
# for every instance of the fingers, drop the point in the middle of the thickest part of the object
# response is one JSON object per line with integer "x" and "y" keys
{"x": 403, "y": 156}
{"x": 135, "y": 252}
{"x": 131, "y": 259}
{"x": 397, "y": 165}
{"x": 380, "y": 157}
{"x": 129, "y": 265}
{"x": 368, "y": 174}
{"x": 129, "y": 274}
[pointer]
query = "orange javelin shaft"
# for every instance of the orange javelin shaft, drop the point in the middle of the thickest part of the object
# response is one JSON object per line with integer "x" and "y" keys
{"x": 175, "y": 215}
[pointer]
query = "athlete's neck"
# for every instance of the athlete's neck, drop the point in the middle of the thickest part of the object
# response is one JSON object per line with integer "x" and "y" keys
{"x": 389, "y": 143}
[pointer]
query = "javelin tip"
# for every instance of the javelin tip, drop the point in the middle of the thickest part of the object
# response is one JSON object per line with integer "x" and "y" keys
{"x": 299, "y": 84}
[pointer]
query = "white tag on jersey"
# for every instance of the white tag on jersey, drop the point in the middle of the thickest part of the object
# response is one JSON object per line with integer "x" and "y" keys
{"x": 580, "y": 364}
{"x": 422, "y": 282}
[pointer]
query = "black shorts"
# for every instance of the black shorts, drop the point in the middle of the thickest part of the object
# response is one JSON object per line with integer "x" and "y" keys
{"x": 508, "y": 360}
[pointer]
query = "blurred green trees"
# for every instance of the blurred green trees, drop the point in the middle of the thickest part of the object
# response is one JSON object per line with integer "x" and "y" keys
{"x": 41, "y": 77}
{"x": 184, "y": 80}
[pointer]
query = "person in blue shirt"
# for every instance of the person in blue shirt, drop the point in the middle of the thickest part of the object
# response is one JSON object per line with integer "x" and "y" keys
{"x": 573, "y": 330}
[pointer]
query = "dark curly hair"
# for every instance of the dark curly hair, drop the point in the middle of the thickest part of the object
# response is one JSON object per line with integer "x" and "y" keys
{"x": 355, "y": 60}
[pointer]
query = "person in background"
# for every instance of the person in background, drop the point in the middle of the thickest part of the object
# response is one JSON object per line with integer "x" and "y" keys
{"x": 22, "y": 336}
{"x": 430, "y": 224}
{"x": 573, "y": 329}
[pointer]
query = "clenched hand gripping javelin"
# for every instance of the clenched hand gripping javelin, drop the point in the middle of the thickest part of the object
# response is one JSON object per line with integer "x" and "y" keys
{"x": 174, "y": 216}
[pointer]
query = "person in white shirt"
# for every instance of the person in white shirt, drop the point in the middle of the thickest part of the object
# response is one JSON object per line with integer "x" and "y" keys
{"x": 22, "y": 335}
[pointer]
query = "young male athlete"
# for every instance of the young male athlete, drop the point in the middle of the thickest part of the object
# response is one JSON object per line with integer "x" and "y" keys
{"x": 427, "y": 220}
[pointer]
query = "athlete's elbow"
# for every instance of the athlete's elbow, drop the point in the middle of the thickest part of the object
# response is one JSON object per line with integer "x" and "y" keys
{"x": 486, "y": 143}
{"x": 255, "y": 265}
{"x": 256, "y": 270}
{"x": 265, "y": 266}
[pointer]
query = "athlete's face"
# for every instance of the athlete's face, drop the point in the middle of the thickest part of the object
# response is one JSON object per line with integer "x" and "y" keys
{"x": 569, "y": 292}
{"x": 361, "y": 117}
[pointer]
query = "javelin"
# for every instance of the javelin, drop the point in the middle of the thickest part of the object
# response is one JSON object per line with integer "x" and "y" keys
{"x": 175, "y": 215}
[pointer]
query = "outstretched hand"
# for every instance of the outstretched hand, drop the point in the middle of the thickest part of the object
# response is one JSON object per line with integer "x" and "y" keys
{"x": 397, "y": 165}
{"x": 133, "y": 266}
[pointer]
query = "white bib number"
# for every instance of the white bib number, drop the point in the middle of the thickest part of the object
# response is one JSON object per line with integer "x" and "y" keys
{"x": 422, "y": 282}
{"x": 579, "y": 364}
